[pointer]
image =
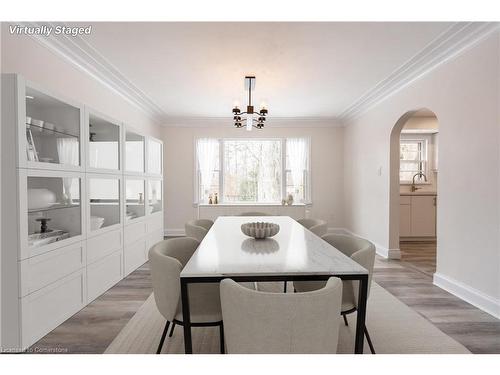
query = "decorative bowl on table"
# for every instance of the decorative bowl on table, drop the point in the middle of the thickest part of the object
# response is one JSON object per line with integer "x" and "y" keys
{"x": 260, "y": 230}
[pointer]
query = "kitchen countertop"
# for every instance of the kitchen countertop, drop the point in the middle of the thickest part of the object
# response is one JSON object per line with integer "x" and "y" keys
{"x": 419, "y": 193}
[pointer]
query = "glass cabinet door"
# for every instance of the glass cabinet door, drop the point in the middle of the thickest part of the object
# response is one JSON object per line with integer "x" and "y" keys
{"x": 135, "y": 199}
{"x": 104, "y": 200}
{"x": 104, "y": 144}
{"x": 155, "y": 203}
{"x": 134, "y": 152}
{"x": 154, "y": 157}
{"x": 54, "y": 209}
{"x": 52, "y": 130}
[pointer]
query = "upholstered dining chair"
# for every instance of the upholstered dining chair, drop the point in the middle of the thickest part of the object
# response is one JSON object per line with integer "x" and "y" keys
{"x": 317, "y": 226}
{"x": 167, "y": 259}
{"x": 262, "y": 322}
{"x": 254, "y": 213}
{"x": 198, "y": 229}
{"x": 361, "y": 251}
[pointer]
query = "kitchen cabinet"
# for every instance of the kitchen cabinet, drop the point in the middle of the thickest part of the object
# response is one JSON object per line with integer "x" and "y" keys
{"x": 417, "y": 216}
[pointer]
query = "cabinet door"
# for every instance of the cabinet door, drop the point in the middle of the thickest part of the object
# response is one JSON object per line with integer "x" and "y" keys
{"x": 423, "y": 216}
{"x": 404, "y": 220}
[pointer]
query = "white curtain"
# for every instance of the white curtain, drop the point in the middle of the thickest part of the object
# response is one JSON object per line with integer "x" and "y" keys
{"x": 297, "y": 156}
{"x": 207, "y": 153}
{"x": 67, "y": 149}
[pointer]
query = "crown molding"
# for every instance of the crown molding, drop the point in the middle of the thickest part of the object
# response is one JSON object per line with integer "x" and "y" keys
{"x": 82, "y": 55}
{"x": 275, "y": 122}
{"x": 455, "y": 40}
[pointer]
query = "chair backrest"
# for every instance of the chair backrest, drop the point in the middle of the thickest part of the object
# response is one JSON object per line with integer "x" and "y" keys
{"x": 198, "y": 229}
{"x": 317, "y": 226}
{"x": 358, "y": 249}
{"x": 254, "y": 213}
{"x": 275, "y": 323}
{"x": 167, "y": 258}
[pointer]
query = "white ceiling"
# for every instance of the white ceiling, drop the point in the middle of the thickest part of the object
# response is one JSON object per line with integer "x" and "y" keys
{"x": 302, "y": 69}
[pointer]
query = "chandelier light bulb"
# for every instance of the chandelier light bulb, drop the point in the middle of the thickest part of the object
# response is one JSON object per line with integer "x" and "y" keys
{"x": 249, "y": 122}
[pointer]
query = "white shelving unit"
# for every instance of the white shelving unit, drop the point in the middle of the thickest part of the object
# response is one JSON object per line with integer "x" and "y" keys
{"x": 65, "y": 174}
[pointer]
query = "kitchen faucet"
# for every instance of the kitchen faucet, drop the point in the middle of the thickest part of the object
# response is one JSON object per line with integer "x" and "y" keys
{"x": 420, "y": 174}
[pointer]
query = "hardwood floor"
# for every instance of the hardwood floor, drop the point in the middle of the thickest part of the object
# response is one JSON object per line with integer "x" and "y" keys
{"x": 420, "y": 256}
{"x": 410, "y": 280}
{"x": 93, "y": 328}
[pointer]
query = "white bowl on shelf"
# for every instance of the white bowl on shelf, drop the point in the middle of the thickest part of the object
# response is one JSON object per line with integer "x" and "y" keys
{"x": 49, "y": 126}
{"x": 36, "y": 122}
{"x": 96, "y": 222}
{"x": 40, "y": 198}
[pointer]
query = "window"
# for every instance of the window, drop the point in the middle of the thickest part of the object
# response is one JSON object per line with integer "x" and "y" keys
{"x": 252, "y": 170}
{"x": 413, "y": 159}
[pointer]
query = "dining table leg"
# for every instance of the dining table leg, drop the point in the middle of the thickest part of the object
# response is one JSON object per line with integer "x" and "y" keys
{"x": 186, "y": 317}
{"x": 361, "y": 315}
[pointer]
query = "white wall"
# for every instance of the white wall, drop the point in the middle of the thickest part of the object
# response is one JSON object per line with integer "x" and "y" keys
{"x": 23, "y": 55}
{"x": 326, "y": 169}
{"x": 464, "y": 95}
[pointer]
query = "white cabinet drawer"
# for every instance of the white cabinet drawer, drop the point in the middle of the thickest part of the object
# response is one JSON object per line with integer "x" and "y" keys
{"x": 45, "y": 309}
{"x": 103, "y": 274}
{"x": 155, "y": 223}
{"x": 134, "y": 256}
{"x": 102, "y": 245}
{"x": 134, "y": 232}
{"x": 42, "y": 270}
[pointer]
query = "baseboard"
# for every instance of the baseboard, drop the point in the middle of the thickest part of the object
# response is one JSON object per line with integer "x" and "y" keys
{"x": 473, "y": 296}
{"x": 381, "y": 250}
{"x": 174, "y": 232}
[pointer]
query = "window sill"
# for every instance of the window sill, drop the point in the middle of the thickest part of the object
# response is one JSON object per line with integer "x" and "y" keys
{"x": 251, "y": 204}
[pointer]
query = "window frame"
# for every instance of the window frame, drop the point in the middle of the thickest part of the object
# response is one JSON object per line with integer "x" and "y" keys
{"x": 222, "y": 141}
{"x": 424, "y": 161}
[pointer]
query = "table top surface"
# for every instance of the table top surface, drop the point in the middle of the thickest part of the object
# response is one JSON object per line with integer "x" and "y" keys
{"x": 226, "y": 251}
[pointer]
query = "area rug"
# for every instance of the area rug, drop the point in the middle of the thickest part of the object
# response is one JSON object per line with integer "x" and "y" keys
{"x": 393, "y": 326}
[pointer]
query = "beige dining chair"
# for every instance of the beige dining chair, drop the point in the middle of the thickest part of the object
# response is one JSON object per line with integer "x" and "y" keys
{"x": 317, "y": 226}
{"x": 254, "y": 213}
{"x": 198, "y": 229}
{"x": 167, "y": 259}
{"x": 275, "y": 323}
{"x": 361, "y": 251}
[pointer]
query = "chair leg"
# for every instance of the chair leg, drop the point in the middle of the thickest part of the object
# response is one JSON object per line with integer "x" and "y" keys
{"x": 372, "y": 349}
{"x": 221, "y": 331}
{"x": 172, "y": 330}
{"x": 165, "y": 330}
{"x": 345, "y": 320}
{"x": 284, "y": 288}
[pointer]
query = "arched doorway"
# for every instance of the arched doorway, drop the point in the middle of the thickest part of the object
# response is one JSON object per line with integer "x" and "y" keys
{"x": 413, "y": 188}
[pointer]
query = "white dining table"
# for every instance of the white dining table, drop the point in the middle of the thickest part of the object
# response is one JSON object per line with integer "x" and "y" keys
{"x": 295, "y": 253}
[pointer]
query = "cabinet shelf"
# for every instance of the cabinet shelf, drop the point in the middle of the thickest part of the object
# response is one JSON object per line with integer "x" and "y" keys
{"x": 55, "y": 207}
{"x": 49, "y": 132}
